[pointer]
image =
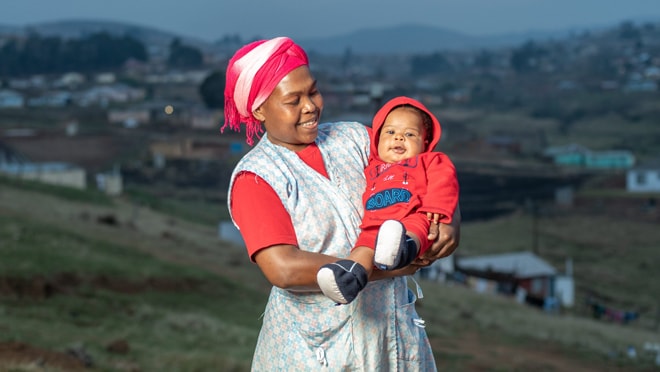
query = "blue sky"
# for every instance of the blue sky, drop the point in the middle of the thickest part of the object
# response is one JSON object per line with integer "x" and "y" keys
{"x": 212, "y": 19}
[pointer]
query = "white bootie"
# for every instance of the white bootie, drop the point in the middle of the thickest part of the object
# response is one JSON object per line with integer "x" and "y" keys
{"x": 390, "y": 244}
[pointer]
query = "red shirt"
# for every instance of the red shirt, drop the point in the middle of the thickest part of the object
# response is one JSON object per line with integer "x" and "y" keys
{"x": 252, "y": 196}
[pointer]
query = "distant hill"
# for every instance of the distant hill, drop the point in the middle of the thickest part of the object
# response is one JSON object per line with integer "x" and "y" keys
{"x": 151, "y": 37}
{"x": 4, "y": 29}
{"x": 414, "y": 38}
{"x": 397, "y": 39}
{"x": 411, "y": 38}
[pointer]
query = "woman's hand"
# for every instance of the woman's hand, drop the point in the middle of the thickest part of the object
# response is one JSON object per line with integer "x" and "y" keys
{"x": 448, "y": 238}
{"x": 404, "y": 271}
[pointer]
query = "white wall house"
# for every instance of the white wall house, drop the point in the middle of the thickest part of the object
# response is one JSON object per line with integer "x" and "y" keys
{"x": 11, "y": 99}
{"x": 55, "y": 173}
{"x": 110, "y": 182}
{"x": 644, "y": 178}
{"x": 523, "y": 274}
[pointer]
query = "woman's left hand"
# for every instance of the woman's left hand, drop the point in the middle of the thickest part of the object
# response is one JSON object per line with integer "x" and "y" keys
{"x": 449, "y": 236}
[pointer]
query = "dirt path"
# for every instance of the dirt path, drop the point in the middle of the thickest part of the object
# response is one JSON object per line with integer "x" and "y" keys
{"x": 19, "y": 356}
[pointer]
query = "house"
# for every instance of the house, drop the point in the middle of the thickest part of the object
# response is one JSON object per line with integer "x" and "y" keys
{"x": 11, "y": 99}
{"x": 574, "y": 155}
{"x": 640, "y": 85}
{"x": 567, "y": 155}
{"x": 111, "y": 182}
{"x": 37, "y": 82}
{"x": 106, "y": 94}
{"x": 55, "y": 173}
{"x": 202, "y": 148}
{"x": 614, "y": 159}
{"x": 521, "y": 274}
{"x": 105, "y": 78}
{"x": 70, "y": 79}
{"x": 205, "y": 119}
{"x": 130, "y": 117}
{"x": 51, "y": 99}
{"x": 15, "y": 164}
{"x": 644, "y": 178}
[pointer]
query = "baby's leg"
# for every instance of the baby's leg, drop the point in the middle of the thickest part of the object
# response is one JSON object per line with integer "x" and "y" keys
{"x": 394, "y": 249}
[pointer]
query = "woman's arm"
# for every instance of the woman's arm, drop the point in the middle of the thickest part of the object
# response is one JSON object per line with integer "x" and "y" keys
{"x": 288, "y": 267}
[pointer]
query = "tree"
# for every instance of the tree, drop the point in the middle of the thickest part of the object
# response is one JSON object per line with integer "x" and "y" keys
{"x": 43, "y": 55}
{"x": 627, "y": 30}
{"x": 527, "y": 58}
{"x": 184, "y": 56}
{"x": 430, "y": 64}
{"x": 484, "y": 60}
{"x": 212, "y": 90}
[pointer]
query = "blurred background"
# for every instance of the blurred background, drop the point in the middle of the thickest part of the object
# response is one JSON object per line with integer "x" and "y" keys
{"x": 116, "y": 249}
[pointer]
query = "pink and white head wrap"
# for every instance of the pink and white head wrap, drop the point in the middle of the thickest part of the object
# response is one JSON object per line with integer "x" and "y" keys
{"x": 252, "y": 74}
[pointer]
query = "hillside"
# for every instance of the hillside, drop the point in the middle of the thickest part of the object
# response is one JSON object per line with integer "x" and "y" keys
{"x": 77, "y": 28}
{"x": 395, "y": 39}
{"x": 413, "y": 38}
{"x": 119, "y": 286}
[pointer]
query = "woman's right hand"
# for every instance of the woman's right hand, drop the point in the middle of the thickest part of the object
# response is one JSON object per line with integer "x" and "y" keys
{"x": 385, "y": 274}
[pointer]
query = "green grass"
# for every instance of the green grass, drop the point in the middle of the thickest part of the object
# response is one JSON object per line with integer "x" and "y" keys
{"x": 614, "y": 258}
{"x": 191, "y": 208}
{"x": 197, "y": 320}
{"x": 30, "y": 248}
{"x": 211, "y": 322}
{"x": 452, "y": 311}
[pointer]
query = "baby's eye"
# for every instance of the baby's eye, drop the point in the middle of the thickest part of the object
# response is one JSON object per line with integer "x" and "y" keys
{"x": 389, "y": 131}
{"x": 411, "y": 135}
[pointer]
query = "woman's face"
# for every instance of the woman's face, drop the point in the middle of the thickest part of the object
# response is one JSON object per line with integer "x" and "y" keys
{"x": 292, "y": 111}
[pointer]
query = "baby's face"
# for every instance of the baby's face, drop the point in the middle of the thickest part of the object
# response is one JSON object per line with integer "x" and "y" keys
{"x": 402, "y": 136}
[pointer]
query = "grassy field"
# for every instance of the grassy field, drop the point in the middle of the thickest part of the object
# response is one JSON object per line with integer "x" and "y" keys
{"x": 147, "y": 291}
{"x": 70, "y": 282}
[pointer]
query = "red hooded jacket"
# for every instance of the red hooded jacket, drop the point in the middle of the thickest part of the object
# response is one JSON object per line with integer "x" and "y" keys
{"x": 424, "y": 183}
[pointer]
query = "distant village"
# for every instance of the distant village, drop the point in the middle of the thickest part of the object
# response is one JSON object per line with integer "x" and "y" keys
{"x": 150, "y": 93}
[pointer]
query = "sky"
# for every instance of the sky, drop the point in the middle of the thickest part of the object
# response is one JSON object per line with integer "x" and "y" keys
{"x": 213, "y": 19}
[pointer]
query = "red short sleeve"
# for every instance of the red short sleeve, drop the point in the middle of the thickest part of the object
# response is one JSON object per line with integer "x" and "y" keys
{"x": 260, "y": 215}
{"x": 258, "y": 211}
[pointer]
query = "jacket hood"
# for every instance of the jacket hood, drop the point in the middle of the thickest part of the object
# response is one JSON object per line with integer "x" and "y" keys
{"x": 380, "y": 116}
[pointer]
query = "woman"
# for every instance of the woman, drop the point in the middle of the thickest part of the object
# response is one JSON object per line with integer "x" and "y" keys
{"x": 296, "y": 198}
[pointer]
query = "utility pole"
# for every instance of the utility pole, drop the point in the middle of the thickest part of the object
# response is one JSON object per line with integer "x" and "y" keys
{"x": 535, "y": 228}
{"x": 657, "y": 319}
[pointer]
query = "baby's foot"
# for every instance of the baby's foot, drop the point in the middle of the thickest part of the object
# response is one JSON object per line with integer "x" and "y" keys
{"x": 394, "y": 249}
{"x": 342, "y": 281}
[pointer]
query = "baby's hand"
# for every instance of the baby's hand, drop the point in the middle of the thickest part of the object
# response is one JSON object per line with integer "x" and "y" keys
{"x": 434, "y": 228}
